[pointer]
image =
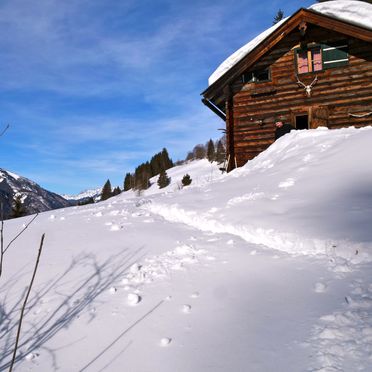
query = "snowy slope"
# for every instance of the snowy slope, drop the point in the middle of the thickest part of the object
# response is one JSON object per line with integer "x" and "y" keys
{"x": 308, "y": 193}
{"x": 204, "y": 278}
{"x": 201, "y": 172}
{"x": 352, "y": 11}
{"x": 35, "y": 198}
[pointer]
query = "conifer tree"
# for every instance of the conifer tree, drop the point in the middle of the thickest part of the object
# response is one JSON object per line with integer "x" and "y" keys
{"x": 278, "y": 17}
{"x": 163, "y": 180}
{"x": 186, "y": 180}
{"x": 220, "y": 153}
{"x": 116, "y": 191}
{"x": 211, "y": 152}
{"x": 128, "y": 182}
{"x": 142, "y": 175}
{"x": 106, "y": 191}
{"x": 155, "y": 164}
{"x": 166, "y": 160}
{"x": 18, "y": 209}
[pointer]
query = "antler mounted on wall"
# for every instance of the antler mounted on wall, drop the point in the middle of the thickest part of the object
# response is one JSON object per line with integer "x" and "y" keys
{"x": 307, "y": 87}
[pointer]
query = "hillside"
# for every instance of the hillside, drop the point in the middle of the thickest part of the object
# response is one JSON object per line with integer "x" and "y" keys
{"x": 267, "y": 268}
{"x": 35, "y": 199}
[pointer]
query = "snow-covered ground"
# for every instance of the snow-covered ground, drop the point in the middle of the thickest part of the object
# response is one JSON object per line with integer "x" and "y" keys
{"x": 267, "y": 268}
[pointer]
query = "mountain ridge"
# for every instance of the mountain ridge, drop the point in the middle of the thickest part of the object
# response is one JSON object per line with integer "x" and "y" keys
{"x": 35, "y": 199}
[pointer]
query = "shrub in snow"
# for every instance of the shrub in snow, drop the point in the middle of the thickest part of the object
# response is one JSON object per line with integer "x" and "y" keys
{"x": 186, "y": 180}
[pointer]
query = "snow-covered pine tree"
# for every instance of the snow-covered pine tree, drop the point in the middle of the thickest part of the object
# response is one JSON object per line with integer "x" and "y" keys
{"x": 106, "y": 191}
{"x": 163, "y": 180}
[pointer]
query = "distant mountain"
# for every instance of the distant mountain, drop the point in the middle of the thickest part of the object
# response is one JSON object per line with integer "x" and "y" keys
{"x": 35, "y": 199}
{"x": 84, "y": 196}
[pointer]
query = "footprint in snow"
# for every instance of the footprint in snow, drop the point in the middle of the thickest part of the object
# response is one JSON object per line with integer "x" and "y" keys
{"x": 186, "y": 309}
{"x": 133, "y": 299}
{"x": 320, "y": 287}
{"x": 165, "y": 341}
{"x": 32, "y": 356}
{"x": 195, "y": 295}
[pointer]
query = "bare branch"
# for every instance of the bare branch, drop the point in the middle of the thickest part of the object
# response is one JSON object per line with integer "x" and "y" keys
{"x": 5, "y": 129}
{"x": 21, "y": 232}
{"x": 25, "y": 303}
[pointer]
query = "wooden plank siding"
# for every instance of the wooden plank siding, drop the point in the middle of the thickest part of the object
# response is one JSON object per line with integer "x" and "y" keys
{"x": 339, "y": 91}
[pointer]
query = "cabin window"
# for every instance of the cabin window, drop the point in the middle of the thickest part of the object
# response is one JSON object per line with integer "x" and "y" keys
{"x": 335, "y": 55}
{"x": 321, "y": 57}
{"x": 309, "y": 60}
{"x": 256, "y": 76}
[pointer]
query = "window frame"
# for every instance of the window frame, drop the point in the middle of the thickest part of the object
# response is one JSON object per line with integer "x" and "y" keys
{"x": 257, "y": 71}
{"x": 326, "y": 62}
{"x": 308, "y": 50}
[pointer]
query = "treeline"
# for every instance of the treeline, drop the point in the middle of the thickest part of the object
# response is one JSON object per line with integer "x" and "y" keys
{"x": 213, "y": 151}
{"x": 158, "y": 165}
{"x": 140, "y": 179}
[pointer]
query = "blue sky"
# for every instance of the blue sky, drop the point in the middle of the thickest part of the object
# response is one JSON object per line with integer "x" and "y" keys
{"x": 92, "y": 88}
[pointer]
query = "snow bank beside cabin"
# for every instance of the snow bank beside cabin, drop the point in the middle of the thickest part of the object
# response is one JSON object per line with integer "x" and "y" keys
{"x": 351, "y": 11}
{"x": 308, "y": 193}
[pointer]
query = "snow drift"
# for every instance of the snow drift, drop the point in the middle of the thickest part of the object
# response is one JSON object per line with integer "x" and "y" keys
{"x": 309, "y": 193}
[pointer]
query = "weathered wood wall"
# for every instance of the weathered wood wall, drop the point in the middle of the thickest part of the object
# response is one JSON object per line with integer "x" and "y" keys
{"x": 338, "y": 92}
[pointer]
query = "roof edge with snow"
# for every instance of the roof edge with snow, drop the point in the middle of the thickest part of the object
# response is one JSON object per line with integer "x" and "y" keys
{"x": 354, "y": 17}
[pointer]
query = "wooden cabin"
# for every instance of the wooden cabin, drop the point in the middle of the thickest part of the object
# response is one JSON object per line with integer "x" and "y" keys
{"x": 312, "y": 69}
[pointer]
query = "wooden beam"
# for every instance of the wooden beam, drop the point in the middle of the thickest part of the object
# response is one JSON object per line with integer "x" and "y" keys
{"x": 214, "y": 108}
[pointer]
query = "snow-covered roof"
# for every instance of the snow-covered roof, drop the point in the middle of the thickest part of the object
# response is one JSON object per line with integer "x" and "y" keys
{"x": 351, "y": 11}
